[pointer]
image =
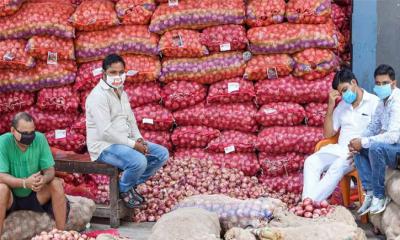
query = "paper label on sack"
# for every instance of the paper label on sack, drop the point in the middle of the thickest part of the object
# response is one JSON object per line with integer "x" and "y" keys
{"x": 270, "y": 111}
{"x": 60, "y": 134}
{"x": 229, "y": 149}
{"x": 272, "y": 73}
{"x": 148, "y": 121}
{"x": 178, "y": 40}
{"x": 225, "y": 47}
{"x": 233, "y": 86}
{"x": 97, "y": 71}
{"x": 173, "y": 3}
{"x": 52, "y": 58}
{"x": 9, "y": 56}
{"x": 131, "y": 73}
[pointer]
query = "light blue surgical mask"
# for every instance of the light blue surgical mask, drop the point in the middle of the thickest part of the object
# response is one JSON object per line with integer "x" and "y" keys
{"x": 383, "y": 91}
{"x": 349, "y": 96}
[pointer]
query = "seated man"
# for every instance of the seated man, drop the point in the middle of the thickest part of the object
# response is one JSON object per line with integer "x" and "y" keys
{"x": 379, "y": 143}
{"x": 113, "y": 136}
{"x": 351, "y": 116}
{"x": 27, "y": 179}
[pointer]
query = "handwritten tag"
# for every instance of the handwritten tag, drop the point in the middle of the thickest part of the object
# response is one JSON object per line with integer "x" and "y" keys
{"x": 148, "y": 121}
{"x": 229, "y": 149}
{"x": 225, "y": 47}
{"x": 60, "y": 133}
{"x": 97, "y": 71}
{"x": 173, "y": 3}
{"x": 178, "y": 40}
{"x": 131, "y": 73}
{"x": 272, "y": 73}
{"x": 9, "y": 56}
{"x": 233, "y": 86}
{"x": 52, "y": 58}
{"x": 270, "y": 111}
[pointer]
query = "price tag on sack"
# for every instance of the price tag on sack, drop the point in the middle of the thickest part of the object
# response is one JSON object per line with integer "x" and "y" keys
{"x": 58, "y": 134}
{"x": 270, "y": 111}
{"x": 148, "y": 121}
{"x": 225, "y": 47}
{"x": 229, "y": 149}
{"x": 52, "y": 58}
{"x": 178, "y": 40}
{"x": 233, "y": 86}
{"x": 97, "y": 72}
{"x": 272, "y": 73}
{"x": 173, "y": 3}
{"x": 131, "y": 73}
{"x": 9, "y": 56}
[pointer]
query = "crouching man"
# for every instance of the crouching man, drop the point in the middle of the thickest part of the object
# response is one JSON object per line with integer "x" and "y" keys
{"x": 27, "y": 172}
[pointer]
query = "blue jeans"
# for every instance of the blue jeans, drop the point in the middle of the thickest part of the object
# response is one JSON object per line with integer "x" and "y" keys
{"x": 136, "y": 167}
{"x": 371, "y": 165}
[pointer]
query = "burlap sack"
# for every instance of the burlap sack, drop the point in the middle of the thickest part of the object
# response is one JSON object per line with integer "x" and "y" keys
{"x": 21, "y": 225}
{"x": 187, "y": 224}
{"x": 391, "y": 221}
{"x": 392, "y": 184}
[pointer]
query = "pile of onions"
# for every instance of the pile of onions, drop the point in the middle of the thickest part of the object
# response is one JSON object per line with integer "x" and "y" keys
{"x": 16, "y": 101}
{"x": 135, "y": 12}
{"x": 58, "y": 234}
{"x": 224, "y": 38}
{"x": 308, "y": 12}
{"x": 269, "y": 66}
{"x": 312, "y": 209}
{"x": 182, "y": 94}
{"x": 291, "y": 183}
{"x": 46, "y": 121}
{"x": 278, "y": 140}
{"x": 13, "y": 55}
{"x": 103, "y": 188}
{"x": 280, "y": 114}
{"x": 316, "y": 113}
{"x": 233, "y": 90}
{"x": 193, "y": 136}
{"x": 185, "y": 177}
{"x": 153, "y": 117}
{"x": 162, "y": 138}
{"x": 265, "y": 12}
{"x": 279, "y": 165}
{"x": 182, "y": 43}
{"x": 41, "y": 47}
{"x": 61, "y": 99}
{"x": 233, "y": 141}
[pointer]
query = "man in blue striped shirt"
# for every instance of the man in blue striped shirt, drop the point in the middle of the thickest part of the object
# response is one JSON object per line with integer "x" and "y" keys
{"x": 379, "y": 144}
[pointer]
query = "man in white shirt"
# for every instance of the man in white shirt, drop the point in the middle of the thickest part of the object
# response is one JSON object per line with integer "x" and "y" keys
{"x": 379, "y": 143}
{"x": 113, "y": 136}
{"x": 351, "y": 116}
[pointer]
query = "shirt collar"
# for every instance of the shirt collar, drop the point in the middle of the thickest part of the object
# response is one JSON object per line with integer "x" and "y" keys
{"x": 394, "y": 92}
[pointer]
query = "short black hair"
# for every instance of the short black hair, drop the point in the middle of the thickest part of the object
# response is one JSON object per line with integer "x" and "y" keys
{"x": 385, "y": 69}
{"x": 345, "y": 75}
{"x": 21, "y": 115}
{"x": 111, "y": 59}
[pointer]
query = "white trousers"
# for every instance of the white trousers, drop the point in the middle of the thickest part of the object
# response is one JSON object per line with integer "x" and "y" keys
{"x": 335, "y": 166}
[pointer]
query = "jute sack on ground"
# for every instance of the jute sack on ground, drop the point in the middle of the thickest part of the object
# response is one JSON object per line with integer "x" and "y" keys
{"x": 391, "y": 221}
{"x": 21, "y": 225}
{"x": 187, "y": 224}
{"x": 392, "y": 184}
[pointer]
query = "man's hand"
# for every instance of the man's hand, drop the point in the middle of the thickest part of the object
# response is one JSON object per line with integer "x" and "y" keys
{"x": 355, "y": 145}
{"x": 333, "y": 96}
{"x": 32, "y": 180}
{"x": 140, "y": 147}
{"x": 39, "y": 184}
{"x": 141, "y": 140}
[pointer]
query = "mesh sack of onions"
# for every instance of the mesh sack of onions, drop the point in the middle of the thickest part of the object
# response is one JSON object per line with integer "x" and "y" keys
{"x": 141, "y": 68}
{"x": 224, "y": 38}
{"x": 239, "y": 116}
{"x": 60, "y": 99}
{"x": 135, "y": 12}
{"x": 291, "y": 183}
{"x": 96, "y": 45}
{"x": 81, "y": 190}
{"x": 6, "y": 120}
{"x": 184, "y": 177}
{"x": 162, "y": 138}
{"x": 338, "y": 15}
{"x": 233, "y": 141}
{"x": 262, "y": 13}
{"x": 16, "y": 101}
{"x": 93, "y": 15}
{"x": 308, "y": 11}
{"x": 233, "y": 90}
{"x": 50, "y": 47}
{"x": 282, "y": 164}
{"x": 197, "y": 15}
{"x": 66, "y": 140}
{"x": 280, "y": 114}
{"x": 13, "y": 55}
{"x": 290, "y": 89}
{"x": 291, "y": 38}
{"x": 279, "y": 140}
{"x": 193, "y": 136}
{"x": 269, "y": 66}
{"x": 154, "y": 117}
{"x": 83, "y": 96}
{"x": 235, "y": 212}
{"x": 205, "y": 70}
{"x": 316, "y": 113}
{"x": 182, "y": 43}
{"x": 9, "y": 7}
{"x": 46, "y": 121}
{"x": 88, "y": 75}
{"x": 143, "y": 93}
{"x": 181, "y": 94}
{"x": 49, "y": 18}
{"x": 312, "y": 209}
{"x": 314, "y": 63}
{"x": 79, "y": 126}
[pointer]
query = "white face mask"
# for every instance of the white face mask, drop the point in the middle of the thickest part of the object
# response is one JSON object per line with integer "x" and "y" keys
{"x": 116, "y": 81}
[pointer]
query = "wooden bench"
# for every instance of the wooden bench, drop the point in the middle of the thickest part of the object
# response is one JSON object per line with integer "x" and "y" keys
{"x": 81, "y": 163}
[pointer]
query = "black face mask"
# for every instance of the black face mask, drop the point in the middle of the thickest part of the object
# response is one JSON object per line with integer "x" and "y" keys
{"x": 26, "y": 138}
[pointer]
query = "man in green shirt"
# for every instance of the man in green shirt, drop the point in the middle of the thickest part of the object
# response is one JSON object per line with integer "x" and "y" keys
{"x": 27, "y": 175}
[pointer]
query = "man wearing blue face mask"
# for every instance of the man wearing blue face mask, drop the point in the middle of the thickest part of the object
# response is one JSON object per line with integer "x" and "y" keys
{"x": 113, "y": 136}
{"x": 350, "y": 117}
{"x": 379, "y": 144}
